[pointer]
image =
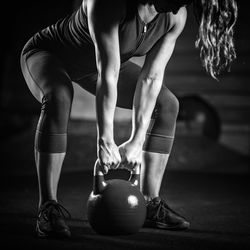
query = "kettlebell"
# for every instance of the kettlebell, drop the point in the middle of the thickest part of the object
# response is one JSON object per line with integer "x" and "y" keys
{"x": 116, "y": 206}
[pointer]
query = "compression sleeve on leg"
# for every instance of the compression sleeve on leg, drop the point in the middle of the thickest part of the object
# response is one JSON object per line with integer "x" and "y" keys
{"x": 50, "y": 143}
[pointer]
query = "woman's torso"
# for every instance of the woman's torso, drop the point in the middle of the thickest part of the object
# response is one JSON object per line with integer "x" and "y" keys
{"x": 70, "y": 40}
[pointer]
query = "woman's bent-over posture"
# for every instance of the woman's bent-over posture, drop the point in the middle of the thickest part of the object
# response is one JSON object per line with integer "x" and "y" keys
{"x": 92, "y": 48}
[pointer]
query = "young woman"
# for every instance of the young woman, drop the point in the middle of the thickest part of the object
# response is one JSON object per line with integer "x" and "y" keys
{"x": 92, "y": 47}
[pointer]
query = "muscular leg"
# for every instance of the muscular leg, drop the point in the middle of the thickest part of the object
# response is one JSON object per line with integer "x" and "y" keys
{"x": 159, "y": 141}
{"x": 52, "y": 87}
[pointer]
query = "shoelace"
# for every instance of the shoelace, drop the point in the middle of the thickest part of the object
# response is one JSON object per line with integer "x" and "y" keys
{"x": 46, "y": 211}
{"x": 163, "y": 206}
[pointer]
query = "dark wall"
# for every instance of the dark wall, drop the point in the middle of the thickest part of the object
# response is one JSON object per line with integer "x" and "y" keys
{"x": 23, "y": 20}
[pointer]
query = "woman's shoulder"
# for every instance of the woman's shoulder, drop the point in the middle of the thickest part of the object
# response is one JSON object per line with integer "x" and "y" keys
{"x": 108, "y": 5}
{"x": 178, "y": 19}
{"x": 102, "y": 8}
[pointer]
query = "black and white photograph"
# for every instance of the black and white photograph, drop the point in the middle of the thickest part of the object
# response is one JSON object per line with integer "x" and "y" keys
{"x": 125, "y": 124}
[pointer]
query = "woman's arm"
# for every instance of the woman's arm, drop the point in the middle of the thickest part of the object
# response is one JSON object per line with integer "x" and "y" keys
{"x": 103, "y": 21}
{"x": 151, "y": 78}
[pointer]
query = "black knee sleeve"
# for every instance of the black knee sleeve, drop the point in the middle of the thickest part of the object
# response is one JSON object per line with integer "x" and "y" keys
{"x": 51, "y": 133}
{"x": 160, "y": 134}
{"x": 158, "y": 143}
{"x": 50, "y": 143}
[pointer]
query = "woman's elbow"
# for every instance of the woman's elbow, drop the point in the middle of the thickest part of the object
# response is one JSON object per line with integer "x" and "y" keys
{"x": 153, "y": 83}
{"x": 109, "y": 75}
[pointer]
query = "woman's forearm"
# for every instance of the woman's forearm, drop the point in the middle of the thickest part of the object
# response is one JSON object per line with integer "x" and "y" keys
{"x": 145, "y": 97}
{"x": 106, "y": 97}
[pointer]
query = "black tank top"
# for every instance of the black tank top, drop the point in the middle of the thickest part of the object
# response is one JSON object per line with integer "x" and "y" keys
{"x": 69, "y": 38}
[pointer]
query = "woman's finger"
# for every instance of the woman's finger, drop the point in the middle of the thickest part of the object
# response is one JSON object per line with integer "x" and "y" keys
{"x": 104, "y": 169}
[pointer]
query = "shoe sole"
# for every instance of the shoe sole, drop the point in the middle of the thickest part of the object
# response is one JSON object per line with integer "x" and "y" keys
{"x": 154, "y": 224}
{"x": 42, "y": 234}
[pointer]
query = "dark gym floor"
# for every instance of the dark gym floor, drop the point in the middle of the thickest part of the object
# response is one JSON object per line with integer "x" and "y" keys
{"x": 205, "y": 182}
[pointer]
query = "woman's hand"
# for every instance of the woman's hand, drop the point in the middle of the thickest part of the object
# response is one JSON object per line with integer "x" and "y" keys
{"x": 108, "y": 155}
{"x": 131, "y": 155}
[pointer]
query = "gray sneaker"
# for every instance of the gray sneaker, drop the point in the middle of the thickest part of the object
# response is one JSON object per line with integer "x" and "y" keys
{"x": 160, "y": 215}
{"x": 51, "y": 220}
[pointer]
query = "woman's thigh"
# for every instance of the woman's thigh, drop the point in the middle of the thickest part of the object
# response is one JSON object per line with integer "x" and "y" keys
{"x": 44, "y": 73}
{"x": 126, "y": 85}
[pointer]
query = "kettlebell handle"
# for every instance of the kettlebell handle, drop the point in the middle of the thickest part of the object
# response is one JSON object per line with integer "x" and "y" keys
{"x": 99, "y": 182}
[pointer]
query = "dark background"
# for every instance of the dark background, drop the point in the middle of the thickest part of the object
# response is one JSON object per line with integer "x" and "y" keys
{"x": 207, "y": 177}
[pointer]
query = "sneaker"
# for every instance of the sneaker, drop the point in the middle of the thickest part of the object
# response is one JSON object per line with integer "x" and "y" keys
{"x": 50, "y": 221}
{"x": 160, "y": 215}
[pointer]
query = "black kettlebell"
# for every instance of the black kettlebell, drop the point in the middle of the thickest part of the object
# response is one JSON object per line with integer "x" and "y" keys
{"x": 116, "y": 206}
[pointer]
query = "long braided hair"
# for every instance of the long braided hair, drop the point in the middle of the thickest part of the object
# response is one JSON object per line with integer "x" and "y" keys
{"x": 216, "y": 19}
